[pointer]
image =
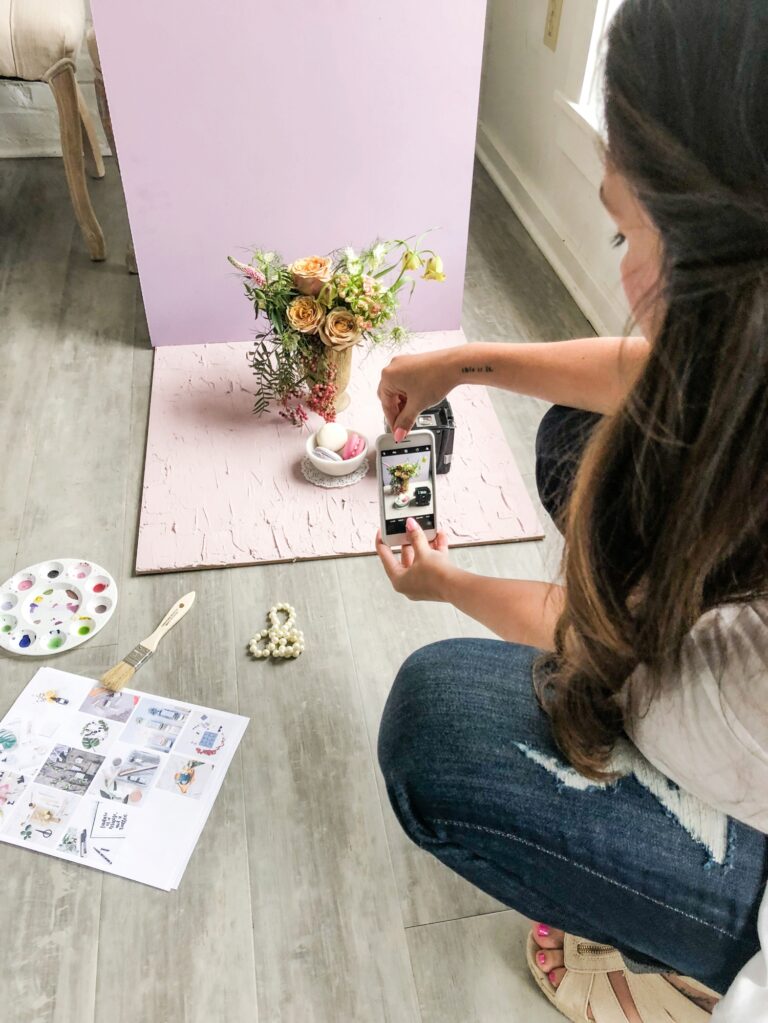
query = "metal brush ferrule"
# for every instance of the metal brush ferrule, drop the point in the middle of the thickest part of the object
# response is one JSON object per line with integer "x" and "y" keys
{"x": 138, "y": 656}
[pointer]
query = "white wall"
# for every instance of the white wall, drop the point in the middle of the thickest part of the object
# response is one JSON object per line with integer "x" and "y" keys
{"x": 29, "y": 123}
{"x": 543, "y": 155}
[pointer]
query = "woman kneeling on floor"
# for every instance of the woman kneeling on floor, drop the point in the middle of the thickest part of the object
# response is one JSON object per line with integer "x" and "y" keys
{"x": 604, "y": 768}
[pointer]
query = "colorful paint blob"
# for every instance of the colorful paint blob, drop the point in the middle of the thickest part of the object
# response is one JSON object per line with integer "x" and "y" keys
{"x": 73, "y": 595}
{"x": 99, "y": 587}
{"x": 7, "y": 739}
{"x": 54, "y": 573}
{"x": 55, "y": 642}
{"x": 6, "y": 628}
{"x": 83, "y": 630}
{"x": 100, "y": 609}
{"x": 25, "y": 641}
{"x": 25, "y": 584}
{"x": 7, "y": 605}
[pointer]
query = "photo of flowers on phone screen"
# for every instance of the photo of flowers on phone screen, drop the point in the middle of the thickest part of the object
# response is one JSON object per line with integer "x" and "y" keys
{"x": 407, "y": 481}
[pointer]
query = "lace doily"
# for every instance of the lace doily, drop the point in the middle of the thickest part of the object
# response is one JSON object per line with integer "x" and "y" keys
{"x": 313, "y": 475}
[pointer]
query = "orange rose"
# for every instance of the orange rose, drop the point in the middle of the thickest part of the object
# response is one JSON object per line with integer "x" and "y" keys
{"x": 340, "y": 330}
{"x": 310, "y": 274}
{"x": 305, "y": 314}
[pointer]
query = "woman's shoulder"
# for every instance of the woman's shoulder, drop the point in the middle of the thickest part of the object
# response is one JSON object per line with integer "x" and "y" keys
{"x": 726, "y": 654}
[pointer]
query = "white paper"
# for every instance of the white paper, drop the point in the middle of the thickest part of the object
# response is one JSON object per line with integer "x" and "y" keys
{"x": 121, "y": 782}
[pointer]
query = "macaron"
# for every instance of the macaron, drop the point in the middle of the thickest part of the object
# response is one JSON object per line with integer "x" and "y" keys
{"x": 332, "y": 436}
{"x": 326, "y": 455}
{"x": 355, "y": 446}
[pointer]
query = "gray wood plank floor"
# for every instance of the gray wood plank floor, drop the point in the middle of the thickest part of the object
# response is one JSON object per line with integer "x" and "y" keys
{"x": 304, "y": 902}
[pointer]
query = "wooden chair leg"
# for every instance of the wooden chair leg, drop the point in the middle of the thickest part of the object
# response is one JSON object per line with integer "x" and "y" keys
{"x": 94, "y": 163}
{"x": 64, "y": 87}
{"x": 106, "y": 122}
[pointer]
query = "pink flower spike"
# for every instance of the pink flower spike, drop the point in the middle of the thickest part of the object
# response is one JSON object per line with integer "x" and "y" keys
{"x": 251, "y": 272}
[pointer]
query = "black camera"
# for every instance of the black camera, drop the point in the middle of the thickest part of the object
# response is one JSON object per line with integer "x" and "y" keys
{"x": 421, "y": 497}
{"x": 439, "y": 419}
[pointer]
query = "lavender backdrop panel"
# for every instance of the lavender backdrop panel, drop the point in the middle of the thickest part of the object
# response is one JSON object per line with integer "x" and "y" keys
{"x": 222, "y": 487}
{"x": 298, "y": 127}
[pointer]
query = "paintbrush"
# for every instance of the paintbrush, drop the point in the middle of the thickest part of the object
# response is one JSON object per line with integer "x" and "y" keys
{"x": 123, "y": 672}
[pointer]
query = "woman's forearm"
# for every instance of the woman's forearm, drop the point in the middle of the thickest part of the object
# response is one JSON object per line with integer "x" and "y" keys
{"x": 517, "y": 610}
{"x": 593, "y": 373}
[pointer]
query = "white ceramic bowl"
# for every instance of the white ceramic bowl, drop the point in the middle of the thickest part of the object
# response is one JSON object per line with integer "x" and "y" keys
{"x": 335, "y": 468}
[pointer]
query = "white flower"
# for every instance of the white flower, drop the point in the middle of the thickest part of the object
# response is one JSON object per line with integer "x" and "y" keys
{"x": 378, "y": 254}
{"x": 350, "y": 255}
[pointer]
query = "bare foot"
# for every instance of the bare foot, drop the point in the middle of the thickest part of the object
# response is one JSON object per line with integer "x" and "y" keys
{"x": 550, "y": 960}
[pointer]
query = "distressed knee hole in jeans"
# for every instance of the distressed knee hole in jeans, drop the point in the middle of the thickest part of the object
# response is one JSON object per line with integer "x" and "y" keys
{"x": 707, "y": 826}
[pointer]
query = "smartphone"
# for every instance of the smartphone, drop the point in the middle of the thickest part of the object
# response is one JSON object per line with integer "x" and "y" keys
{"x": 406, "y": 475}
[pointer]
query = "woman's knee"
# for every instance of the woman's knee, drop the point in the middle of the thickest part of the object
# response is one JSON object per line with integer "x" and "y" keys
{"x": 562, "y": 436}
{"x": 413, "y": 709}
{"x": 447, "y": 742}
{"x": 452, "y": 704}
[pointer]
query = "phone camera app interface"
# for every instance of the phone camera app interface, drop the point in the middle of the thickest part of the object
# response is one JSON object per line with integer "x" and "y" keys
{"x": 406, "y": 477}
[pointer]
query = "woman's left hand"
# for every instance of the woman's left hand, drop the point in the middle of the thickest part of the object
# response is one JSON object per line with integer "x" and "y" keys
{"x": 423, "y": 571}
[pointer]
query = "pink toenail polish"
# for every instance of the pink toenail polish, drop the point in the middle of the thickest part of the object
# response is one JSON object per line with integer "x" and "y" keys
{"x": 541, "y": 958}
{"x": 543, "y": 931}
{"x": 552, "y": 977}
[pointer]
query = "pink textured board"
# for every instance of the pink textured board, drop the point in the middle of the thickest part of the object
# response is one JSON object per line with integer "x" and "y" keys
{"x": 223, "y": 487}
{"x": 299, "y": 127}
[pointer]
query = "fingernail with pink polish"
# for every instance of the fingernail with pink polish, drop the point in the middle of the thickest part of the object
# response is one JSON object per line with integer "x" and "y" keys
{"x": 552, "y": 976}
{"x": 541, "y": 958}
{"x": 400, "y": 434}
{"x": 543, "y": 931}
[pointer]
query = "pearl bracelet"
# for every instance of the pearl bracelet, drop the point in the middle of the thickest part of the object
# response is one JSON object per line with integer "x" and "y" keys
{"x": 283, "y": 639}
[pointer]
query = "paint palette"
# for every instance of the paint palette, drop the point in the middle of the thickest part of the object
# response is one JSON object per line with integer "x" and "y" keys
{"x": 54, "y": 606}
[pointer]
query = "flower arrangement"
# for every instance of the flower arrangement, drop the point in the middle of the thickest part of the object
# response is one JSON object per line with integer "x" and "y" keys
{"x": 318, "y": 309}
{"x": 402, "y": 474}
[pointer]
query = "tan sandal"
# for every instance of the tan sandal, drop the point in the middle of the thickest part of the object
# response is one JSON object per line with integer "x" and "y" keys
{"x": 586, "y": 986}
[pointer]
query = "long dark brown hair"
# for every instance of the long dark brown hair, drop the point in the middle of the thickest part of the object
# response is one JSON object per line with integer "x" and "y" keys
{"x": 669, "y": 513}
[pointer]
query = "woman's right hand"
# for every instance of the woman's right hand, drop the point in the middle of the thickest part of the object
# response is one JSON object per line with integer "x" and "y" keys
{"x": 411, "y": 383}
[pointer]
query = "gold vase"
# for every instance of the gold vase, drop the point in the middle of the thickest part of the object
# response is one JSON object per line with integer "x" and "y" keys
{"x": 343, "y": 362}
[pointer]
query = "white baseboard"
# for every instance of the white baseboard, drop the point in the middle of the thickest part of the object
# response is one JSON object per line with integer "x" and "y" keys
{"x": 29, "y": 122}
{"x": 607, "y": 316}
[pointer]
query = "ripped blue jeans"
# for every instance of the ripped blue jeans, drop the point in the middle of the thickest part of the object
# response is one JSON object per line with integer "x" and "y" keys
{"x": 475, "y": 778}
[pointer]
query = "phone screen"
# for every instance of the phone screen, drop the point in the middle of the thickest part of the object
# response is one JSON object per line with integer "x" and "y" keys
{"x": 408, "y": 482}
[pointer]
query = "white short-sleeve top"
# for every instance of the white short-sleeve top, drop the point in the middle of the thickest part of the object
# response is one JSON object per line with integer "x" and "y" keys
{"x": 707, "y": 730}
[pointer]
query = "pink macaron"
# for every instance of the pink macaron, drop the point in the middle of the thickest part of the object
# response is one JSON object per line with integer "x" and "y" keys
{"x": 355, "y": 446}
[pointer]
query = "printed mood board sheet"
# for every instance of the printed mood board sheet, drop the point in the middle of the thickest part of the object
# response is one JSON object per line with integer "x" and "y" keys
{"x": 120, "y": 781}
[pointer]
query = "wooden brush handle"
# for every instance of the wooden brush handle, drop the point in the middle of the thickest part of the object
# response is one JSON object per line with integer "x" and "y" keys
{"x": 175, "y": 614}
